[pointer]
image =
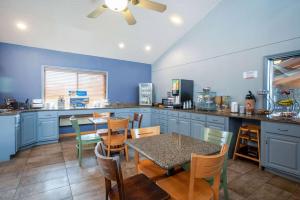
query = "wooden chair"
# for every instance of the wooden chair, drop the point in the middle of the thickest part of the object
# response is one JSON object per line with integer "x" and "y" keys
{"x": 192, "y": 185}
{"x": 220, "y": 138}
{"x": 105, "y": 115}
{"x": 147, "y": 167}
{"x": 137, "y": 118}
{"x": 133, "y": 188}
{"x": 116, "y": 142}
{"x": 84, "y": 142}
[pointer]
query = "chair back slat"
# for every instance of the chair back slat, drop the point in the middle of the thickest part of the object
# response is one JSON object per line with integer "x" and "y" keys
{"x": 117, "y": 125}
{"x": 110, "y": 168}
{"x": 76, "y": 127}
{"x": 101, "y": 115}
{"x": 205, "y": 167}
{"x": 145, "y": 132}
{"x": 137, "y": 117}
{"x": 216, "y": 136}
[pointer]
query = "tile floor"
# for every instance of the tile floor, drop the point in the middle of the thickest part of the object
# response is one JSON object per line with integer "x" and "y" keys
{"x": 52, "y": 172}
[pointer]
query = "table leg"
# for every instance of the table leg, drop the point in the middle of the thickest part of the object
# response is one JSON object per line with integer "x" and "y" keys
{"x": 170, "y": 172}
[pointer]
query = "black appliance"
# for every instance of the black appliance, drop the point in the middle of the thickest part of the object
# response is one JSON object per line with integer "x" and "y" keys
{"x": 182, "y": 91}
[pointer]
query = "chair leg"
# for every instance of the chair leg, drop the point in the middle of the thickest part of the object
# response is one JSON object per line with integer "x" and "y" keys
{"x": 80, "y": 156}
{"x": 126, "y": 153}
{"x": 108, "y": 151}
{"x": 224, "y": 185}
{"x": 237, "y": 144}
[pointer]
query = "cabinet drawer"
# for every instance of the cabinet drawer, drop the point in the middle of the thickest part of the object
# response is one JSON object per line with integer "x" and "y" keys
{"x": 47, "y": 114}
{"x": 215, "y": 119}
{"x": 198, "y": 117}
{"x": 184, "y": 115}
{"x": 173, "y": 113}
{"x": 280, "y": 128}
{"x": 163, "y": 112}
{"x": 163, "y": 122}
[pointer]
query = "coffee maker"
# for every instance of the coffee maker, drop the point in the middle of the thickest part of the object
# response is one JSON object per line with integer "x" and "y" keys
{"x": 182, "y": 91}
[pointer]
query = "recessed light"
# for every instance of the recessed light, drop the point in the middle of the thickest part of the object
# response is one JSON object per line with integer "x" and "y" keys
{"x": 22, "y": 26}
{"x": 148, "y": 48}
{"x": 121, "y": 45}
{"x": 176, "y": 20}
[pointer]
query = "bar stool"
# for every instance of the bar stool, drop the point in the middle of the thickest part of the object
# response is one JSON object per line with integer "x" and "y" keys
{"x": 248, "y": 143}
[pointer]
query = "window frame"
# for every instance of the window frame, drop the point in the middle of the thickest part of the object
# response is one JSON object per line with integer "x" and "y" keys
{"x": 76, "y": 69}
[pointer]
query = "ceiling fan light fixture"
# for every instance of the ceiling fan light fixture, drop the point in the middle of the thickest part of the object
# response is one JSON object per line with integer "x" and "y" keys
{"x": 117, "y": 5}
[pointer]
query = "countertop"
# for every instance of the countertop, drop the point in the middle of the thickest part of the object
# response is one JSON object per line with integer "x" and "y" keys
{"x": 269, "y": 118}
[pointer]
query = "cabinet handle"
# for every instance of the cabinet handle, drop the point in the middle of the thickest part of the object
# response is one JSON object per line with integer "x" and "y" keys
{"x": 282, "y": 130}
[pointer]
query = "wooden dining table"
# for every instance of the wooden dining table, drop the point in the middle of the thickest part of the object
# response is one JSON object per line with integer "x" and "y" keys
{"x": 171, "y": 149}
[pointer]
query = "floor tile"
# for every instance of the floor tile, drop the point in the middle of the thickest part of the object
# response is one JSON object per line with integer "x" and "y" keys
{"x": 45, "y": 160}
{"x": 9, "y": 182}
{"x": 269, "y": 192}
{"x": 93, "y": 195}
{"x": 247, "y": 183}
{"x": 43, "y": 176}
{"x": 33, "y": 189}
{"x": 29, "y": 171}
{"x": 55, "y": 194}
{"x": 79, "y": 174}
{"x": 241, "y": 166}
{"x": 284, "y": 184}
{"x": 87, "y": 186}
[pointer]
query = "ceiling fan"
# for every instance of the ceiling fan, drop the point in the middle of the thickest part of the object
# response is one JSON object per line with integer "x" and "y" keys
{"x": 121, "y": 6}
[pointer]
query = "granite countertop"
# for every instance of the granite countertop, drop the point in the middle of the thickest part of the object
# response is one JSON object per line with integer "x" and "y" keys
{"x": 119, "y": 106}
{"x": 172, "y": 149}
{"x": 270, "y": 118}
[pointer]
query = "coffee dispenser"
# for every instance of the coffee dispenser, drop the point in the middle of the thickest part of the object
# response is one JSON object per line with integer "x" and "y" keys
{"x": 182, "y": 91}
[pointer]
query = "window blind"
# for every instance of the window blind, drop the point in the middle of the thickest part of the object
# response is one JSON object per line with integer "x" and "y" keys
{"x": 57, "y": 82}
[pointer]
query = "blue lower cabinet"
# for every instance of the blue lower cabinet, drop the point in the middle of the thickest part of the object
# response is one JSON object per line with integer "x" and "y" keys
{"x": 47, "y": 129}
{"x": 173, "y": 125}
{"x": 281, "y": 152}
{"x": 184, "y": 127}
{"x": 7, "y": 137}
{"x": 146, "y": 121}
{"x": 155, "y": 119}
{"x": 17, "y": 133}
{"x": 197, "y": 129}
{"x": 28, "y": 129}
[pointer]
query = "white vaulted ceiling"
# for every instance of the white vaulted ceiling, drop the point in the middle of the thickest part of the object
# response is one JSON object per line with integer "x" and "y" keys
{"x": 62, "y": 25}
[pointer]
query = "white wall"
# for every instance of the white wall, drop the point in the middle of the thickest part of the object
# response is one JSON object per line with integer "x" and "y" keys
{"x": 233, "y": 38}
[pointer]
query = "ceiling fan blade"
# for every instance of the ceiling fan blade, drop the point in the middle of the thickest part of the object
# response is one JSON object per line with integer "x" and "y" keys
{"x": 150, "y": 5}
{"x": 98, "y": 11}
{"x": 128, "y": 17}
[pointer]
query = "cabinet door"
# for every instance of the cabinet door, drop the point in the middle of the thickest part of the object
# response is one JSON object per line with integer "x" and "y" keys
{"x": 146, "y": 121}
{"x": 220, "y": 127}
{"x": 283, "y": 153}
{"x": 173, "y": 125}
{"x": 28, "y": 129}
{"x": 47, "y": 129}
{"x": 197, "y": 129}
{"x": 155, "y": 119}
{"x": 184, "y": 127}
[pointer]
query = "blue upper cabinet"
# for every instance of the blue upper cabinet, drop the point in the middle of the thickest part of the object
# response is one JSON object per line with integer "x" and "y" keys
{"x": 28, "y": 128}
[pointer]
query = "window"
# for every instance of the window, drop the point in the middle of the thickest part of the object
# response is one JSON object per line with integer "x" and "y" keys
{"x": 59, "y": 81}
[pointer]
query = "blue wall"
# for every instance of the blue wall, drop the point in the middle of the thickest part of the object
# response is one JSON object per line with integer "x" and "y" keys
{"x": 20, "y": 72}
